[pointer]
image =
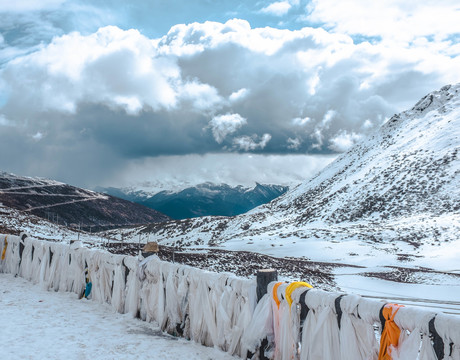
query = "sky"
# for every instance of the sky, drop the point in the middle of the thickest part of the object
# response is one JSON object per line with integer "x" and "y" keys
{"x": 113, "y": 93}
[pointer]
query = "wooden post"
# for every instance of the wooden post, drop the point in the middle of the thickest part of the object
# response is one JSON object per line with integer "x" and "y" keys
{"x": 264, "y": 277}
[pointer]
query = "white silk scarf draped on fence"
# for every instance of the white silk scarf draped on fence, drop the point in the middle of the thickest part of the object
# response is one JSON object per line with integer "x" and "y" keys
{"x": 209, "y": 308}
{"x": 219, "y": 309}
{"x": 332, "y": 326}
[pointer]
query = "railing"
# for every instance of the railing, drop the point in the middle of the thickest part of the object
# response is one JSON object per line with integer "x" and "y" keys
{"x": 327, "y": 325}
{"x": 221, "y": 310}
{"x": 209, "y": 308}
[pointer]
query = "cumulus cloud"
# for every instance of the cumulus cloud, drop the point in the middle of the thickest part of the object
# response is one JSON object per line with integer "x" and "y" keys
{"x": 279, "y": 8}
{"x": 328, "y": 116}
{"x": 114, "y": 67}
{"x": 223, "y": 125}
{"x": 301, "y": 121}
{"x": 122, "y": 96}
{"x": 248, "y": 143}
{"x": 202, "y": 96}
{"x": 395, "y": 19}
{"x": 239, "y": 95}
{"x": 344, "y": 141}
{"x": 293, "y": 144}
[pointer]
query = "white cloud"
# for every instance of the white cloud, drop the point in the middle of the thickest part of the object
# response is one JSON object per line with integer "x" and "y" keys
{"x": 112, "y": 66}
{"x": 131, "y": 104}
{"x": 250, "y": 143}
{"x": 126, "y": 70}
{"x": 4, "y": 121}
{"x": 170, "y": 172}
{"x": 203, "y": 96}
{"x": 239, "y": 95}
{"x": 367, "y": 124}
{"x": 301, "y": 88}
{"x": 321, "y": 129}
{"x": 344, "y": 141}
{"x": 293, "y": 144}
{"x": 301, "y": 121}
{"x": 398, "y": 20}
{"x": 327, "y": 119}
{"x": 223, "y": 125}
{"x": 188, "y": 40}
{"x": 318, "y": 136}
{"x": 279, "y": 8}
{"x": 37, "y": 136}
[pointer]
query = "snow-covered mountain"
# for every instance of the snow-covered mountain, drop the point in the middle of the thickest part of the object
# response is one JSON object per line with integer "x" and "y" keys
{"x": 394, "y": 198}
{"x": 203, "y": 199}
{"x": 69, "y": 205}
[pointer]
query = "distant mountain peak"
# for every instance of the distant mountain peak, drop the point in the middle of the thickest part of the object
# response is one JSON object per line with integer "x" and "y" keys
{"x": 204, "y": 199}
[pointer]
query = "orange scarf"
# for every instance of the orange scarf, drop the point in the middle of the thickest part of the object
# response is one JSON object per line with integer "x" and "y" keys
{"x": 390, "y": 333}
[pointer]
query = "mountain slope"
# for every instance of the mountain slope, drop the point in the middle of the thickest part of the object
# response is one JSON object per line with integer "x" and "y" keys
{"x": 410, "y": 167}
{"x": 392, "y": 198}
{"x": 203, "y": 199}
{"x": 68, "y": 205}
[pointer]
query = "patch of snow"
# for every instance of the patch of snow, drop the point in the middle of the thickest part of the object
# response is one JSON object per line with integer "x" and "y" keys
{"x": 37, "y": 324}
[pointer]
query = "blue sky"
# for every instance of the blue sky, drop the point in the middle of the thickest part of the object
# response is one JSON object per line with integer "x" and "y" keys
{"x": 174, "y": 92}
{"x": 152, "y": 18}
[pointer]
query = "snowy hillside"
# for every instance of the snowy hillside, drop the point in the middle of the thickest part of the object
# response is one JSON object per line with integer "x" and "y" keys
{"x": 14, "y": 222}
{"x": 69, "y": 205}
{"x": 392, "y": 199}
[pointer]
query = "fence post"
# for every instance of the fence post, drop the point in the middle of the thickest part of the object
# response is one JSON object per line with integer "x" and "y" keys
{"x": 264, "y": 277}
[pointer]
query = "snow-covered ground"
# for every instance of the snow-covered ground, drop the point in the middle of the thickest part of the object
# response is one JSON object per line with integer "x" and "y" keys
{"x": 38, "y": 324}
{"x": 433, "y": 292}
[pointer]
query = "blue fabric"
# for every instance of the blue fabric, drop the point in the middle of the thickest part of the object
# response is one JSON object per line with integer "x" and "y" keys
{"x": 88, "y": 289}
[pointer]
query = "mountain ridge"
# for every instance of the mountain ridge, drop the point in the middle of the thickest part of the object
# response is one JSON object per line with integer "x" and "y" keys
{"x": 203, "y": 199}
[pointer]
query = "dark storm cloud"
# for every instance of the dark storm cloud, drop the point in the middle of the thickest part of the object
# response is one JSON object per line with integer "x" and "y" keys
{"x": 85, "y": 106}
{"x": 146, "y": 134}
